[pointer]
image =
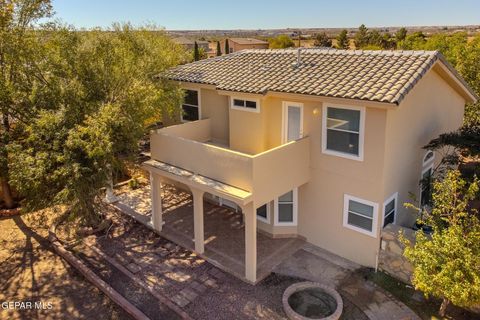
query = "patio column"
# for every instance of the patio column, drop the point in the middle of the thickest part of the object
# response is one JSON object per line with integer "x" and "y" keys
{"x": 198, "y": 219}
{"x": 155, "y": 189}
{"x": 250, "y": 242}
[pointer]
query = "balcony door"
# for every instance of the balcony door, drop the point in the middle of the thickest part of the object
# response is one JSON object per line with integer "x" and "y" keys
{"x": 292, "y": 128}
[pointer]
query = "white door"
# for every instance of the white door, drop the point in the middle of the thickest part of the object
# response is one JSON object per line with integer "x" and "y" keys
{"x": 292, "y": 121}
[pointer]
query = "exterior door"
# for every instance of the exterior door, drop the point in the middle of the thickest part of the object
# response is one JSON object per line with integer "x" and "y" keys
{"x": 292, "y": 121}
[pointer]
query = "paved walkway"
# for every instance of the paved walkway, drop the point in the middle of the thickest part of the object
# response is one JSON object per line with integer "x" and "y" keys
{"x": 315, "y": 264}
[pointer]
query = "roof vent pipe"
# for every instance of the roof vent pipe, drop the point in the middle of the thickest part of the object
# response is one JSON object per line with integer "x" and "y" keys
{"x": 299, "y": 58}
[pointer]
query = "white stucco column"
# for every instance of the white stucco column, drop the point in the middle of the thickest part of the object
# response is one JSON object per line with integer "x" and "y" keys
{"x": 155, "y": 189}
{"x": 198, "y": 220}
{"x": 250, "y": 242}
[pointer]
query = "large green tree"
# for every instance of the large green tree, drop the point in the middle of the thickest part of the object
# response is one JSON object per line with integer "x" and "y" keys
{"x": 361, "y": 37}
{"x": 342, "y": 40}
{"x": 447, "y": 264}
{"x": 25, "y": 82}
{"x": 68, "y": 154}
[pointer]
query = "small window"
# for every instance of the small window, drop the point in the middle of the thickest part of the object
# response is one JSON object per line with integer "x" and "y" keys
{"x": 190, "y": 106}
{"x": 389, "y": 211}
{"x": 428, "y": 157}
{"x": 426, "y": 187}
{"x": 243, "y": 104}
{"x": 263, "y": 213}
{"x": 343, "y": 132}
{"x": 360, "y": 215}
{"x": 286, "y": 209}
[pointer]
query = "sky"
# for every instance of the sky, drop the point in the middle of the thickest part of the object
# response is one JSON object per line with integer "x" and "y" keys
{"x": 267, "y": 14}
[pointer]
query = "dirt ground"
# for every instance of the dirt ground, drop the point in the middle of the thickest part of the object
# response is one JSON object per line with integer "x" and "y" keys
{"x": 31, "y": 272}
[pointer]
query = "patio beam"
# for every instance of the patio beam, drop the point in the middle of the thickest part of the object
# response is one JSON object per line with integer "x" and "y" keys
{"x": 155, "y": 188}
{"x": 198, "y": 219}
{"x": 250, "y": 242}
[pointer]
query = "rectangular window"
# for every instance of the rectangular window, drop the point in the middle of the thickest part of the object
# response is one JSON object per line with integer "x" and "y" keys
{"x": 389, "y": 210}
{"x": 426, "y": 187}
{"x": 243, "y": 104}
{"x": 263, "y": 213}
{"x": 343, "y": 131}
{"x": 360, "y": 215}
{"x": 190, "y": 106}
{"x": 286, "y": 208}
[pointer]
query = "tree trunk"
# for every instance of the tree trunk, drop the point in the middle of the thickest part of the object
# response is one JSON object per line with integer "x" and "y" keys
{"x": 443, "y": 307}
{"x": 7, "y": 194}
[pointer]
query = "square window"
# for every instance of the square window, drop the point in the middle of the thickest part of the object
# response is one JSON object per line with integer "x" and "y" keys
{"x": 360, "y": 215}
{"x": 342, "y": 131}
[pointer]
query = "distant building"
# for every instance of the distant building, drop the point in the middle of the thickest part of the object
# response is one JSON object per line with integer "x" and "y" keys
{"x": 237, "y": 44}
{"x": 189, "y": 43}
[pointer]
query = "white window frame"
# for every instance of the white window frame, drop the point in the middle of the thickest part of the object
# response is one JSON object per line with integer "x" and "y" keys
{"x": 392, "y": 197}
{"x": 427, "y": 162}
{"x": 257, "y": 101}
{"x": 267, "y": 219}
{"x": 199, "y": 105}
{"x": 285, "y": 105}
{"x": 346, "y": 200}
{"x": 276, "y": 222}
{"x": 361, "y": 133}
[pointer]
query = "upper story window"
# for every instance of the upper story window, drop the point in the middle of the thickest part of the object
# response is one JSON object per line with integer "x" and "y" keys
{"x": 343, "y": 131}
{"x": 191, "y": 106}
{"x": 429, "y": 156}
{"x": 244, "y": 104}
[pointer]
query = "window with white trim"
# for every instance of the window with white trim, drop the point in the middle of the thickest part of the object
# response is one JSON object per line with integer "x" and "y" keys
{"x": 360, "y": 215}
{"x": 343, "y": 131}
{"x": 286, "y": 209}
{"x": 191, "y": 106}
{"x": 429, "y": 156}
{"x": 263, "y": 213}
{"x": 390, "y": 210}
{"x": 245, "y": 104}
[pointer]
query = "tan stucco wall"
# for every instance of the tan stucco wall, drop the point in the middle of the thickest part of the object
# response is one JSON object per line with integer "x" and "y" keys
{"x": 215, "y": 107}
{"x": 430, "y": 109}
{"x": 392, "y": 157}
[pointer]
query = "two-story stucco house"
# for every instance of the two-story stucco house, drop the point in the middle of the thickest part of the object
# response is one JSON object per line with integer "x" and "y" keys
{"x": 321, "y": 144}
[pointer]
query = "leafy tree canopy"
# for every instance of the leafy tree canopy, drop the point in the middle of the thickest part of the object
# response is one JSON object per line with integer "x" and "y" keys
{"x": 281, "y": 42}
{"x": 446, "y": 265}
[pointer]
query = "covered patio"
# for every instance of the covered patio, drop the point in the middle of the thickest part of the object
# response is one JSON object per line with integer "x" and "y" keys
{"x": 223, "y": 236}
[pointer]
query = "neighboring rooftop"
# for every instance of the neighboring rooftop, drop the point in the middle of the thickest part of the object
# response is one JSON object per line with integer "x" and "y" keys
{"x": 383, "y": 76}
{"x": 248, "y": 41}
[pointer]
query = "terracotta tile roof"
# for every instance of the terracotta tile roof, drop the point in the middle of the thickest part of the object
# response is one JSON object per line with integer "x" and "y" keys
{"x": 248, "y": 41}
{"x": 383, "y": 76}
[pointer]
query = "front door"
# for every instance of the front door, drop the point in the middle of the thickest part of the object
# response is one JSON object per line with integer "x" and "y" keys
{"x": 292, "y": 121}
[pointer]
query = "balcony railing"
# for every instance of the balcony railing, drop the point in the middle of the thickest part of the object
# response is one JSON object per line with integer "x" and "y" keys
{"x": 266, "y": 175}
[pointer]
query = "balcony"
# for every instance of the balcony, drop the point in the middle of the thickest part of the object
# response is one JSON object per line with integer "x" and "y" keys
{"x": 188, "y": 148}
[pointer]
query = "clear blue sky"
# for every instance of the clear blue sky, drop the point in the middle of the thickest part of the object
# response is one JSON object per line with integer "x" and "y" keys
{"x": 267, "y": 14}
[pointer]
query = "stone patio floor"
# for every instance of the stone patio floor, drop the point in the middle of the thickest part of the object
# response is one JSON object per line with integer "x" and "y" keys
{"x": 206, "y": 292}
{"x": 224, "y": 231}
